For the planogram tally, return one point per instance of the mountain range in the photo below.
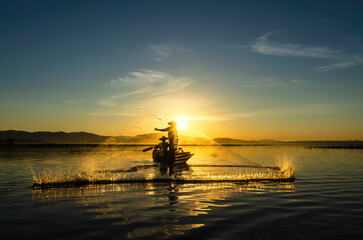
(45, 137)
(24, 137)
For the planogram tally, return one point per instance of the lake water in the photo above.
(324, 202)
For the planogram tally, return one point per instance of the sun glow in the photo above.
(181, 122)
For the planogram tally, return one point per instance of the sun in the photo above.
(181, 122)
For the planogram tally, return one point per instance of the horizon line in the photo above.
(260, 140)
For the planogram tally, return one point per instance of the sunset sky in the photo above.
(285, 70)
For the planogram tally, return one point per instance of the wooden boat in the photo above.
(162, 155)
(180, 157)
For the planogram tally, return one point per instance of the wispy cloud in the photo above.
(162, 52)
(146, 84)
(261, 82)
(145, 92)
(335, 66)
(264, 46)
(341, 59)
(253, 82)
(346, 61)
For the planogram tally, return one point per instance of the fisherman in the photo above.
(172, 135)
(163, 145)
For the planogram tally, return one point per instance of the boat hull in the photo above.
(169, 158)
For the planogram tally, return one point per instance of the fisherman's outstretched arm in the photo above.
(161, 130)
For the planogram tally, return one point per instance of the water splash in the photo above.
(285, 163)
(152, 174)
(109, 164)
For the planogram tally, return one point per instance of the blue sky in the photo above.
(243, 69)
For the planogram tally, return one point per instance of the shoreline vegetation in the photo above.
(13, 138)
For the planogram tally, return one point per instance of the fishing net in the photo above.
(120, 159)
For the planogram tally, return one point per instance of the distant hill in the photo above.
(44, 137)
(150, 138)
(73, 137)
(50, 137)
(23, 137)
(309, 144)
(231, 141)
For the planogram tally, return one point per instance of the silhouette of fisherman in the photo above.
(172, 136)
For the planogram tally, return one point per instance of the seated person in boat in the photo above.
(161, 148)
(172, 136)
